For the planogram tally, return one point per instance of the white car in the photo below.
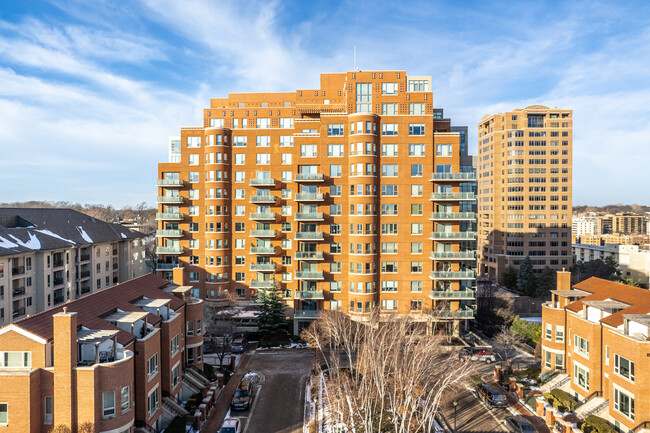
(231, 425)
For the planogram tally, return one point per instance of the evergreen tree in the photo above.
(630, 282)
(524, 274)
(509, 278)
(272, 322)
(543, 283)
(606, 269)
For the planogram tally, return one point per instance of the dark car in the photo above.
(519, 424)
(490, 396)
(466, 352)
(239, 345)
(242, 398)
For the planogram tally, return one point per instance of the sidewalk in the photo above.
(217, 415)
(517, 406)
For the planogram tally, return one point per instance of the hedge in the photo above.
(597, 424)
(561, 400)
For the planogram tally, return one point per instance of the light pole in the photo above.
(455, 406)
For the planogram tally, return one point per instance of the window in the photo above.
(176, 375)
(416, 170)
(389, 286)
(15, 359)
(190, 328)
(49, 412)
(286, 158)
(624, 367)
(389, 88)
(443, 149)
(193, 141)
(389, 129)
(559, 361)
(416, 149)
(416, 247)
(335, 150)
(194, 176)
(152, 366)
(263, 141)
(416, 305)
(335, 129)
(108, 399)
(286, 122)
(364, 97)
(418, 85)
(308, 150)
(389, 305)
(239, 142)
(623, 402)
(4, 416)
(581, 376)
(416, 190)
(125, 398)
(174, 344)
(416, 228)
(559, 334)
(263, 158)
(548, 359)
(194, 159)
(263, 122)
(416, 108)
(389, 170)
(581, 346)
(549, 332)
(152, 402)
(389, 109)
(286, 141)
(416, 267)
(240, 159)
(416, 128)
(416, 286)
(389, 149)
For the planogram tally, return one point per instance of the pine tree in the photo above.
(509, 278)
(272, 322)
(524, 274)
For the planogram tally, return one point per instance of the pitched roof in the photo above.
(600, 290)
(90, 309)
(25, 230)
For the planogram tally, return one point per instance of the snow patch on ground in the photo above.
(33, 243)
(5, 243)
(84, 235)
(54, 235)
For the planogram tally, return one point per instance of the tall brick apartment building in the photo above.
(117, 359)
(597, 333)
(352, 196)
(525, 189)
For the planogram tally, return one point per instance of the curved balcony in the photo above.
(306, 314)
(309, 177)
(169, 233)
(452, 275)
(169, 216)
(455, 216)
(263, 216)
(263, 267)
(309, 275)
(452, 235)
(309, 294)
(309, 196)
(169, 250)
(452, 294)
(169, 182)
(452, 196)
(460, 177)
(268, 199)
(262, 182)
(309, 216)
(169, 199)
(310, 236)
(309, 255)
(262, 284)
(466, 313)
(262, 250)
(455, 255)
(263, 233)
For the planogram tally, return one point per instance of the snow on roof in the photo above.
(84, 235)
(5, 243)
(33, 243)
(54, 235)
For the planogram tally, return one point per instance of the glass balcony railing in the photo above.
(309, 255)
(466, 313)
(309, 275)
(166, 266)
(262, 284)
(452, 235)
(169, 233)
(309, 216)
(263, 216)
(263, 267)
(311, 236)
(169, 216)
(166, 199)
(169, 182)
(309, 196)
(169, 250)
(309, 177)
(453, 176)
(452, 216)
(262, 199)
(456, 255)
(452, 294)
(452, 196)
(452, 275)
(309, 294)
(306, 314)
(263, 233)
(262, 250)
(262, 182)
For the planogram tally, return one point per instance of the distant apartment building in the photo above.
(628, 224)
(584, 225)
(524, 189)
(633, 262)
(352, 197)
(643, 241)
(597, 334)
(119, 360)
(51, 256)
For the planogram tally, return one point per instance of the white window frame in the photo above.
(151, 413)
(125, 403)
(152, 366)
(108, 411)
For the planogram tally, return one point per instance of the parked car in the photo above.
(519, 424)
(242, 398)
(490, 396)
(484, 355)
(231, 425)
(239, 345)
(467, 352)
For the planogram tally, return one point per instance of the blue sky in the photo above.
(90, 91)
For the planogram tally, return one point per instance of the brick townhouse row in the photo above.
(597, 333)
(111, 359)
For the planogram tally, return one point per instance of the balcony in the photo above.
(59, 300)
(309, 294)
(452, 294)
(306, 314)
(83, 258)
(263, 216)
(456, 255)
(18, 270)
(309, 275)
(18, 312)
(262, 199)
(169, 216)
(452, 216)
(169, 199)
(57, 263)
(169, 233)
(452, 275)
(309, 255)
(18, 291)
(263, 267)
(434, 236)
(262, 250)
(169, 182)
(169, 250)
(309, 216)
(85, 289)
(84, 274)
(262, 284)
(166, 266)
(309, 236)
(114, 265)
(466, 313)
(452, 196)
(262, 182)
(57, 281)
(309, 196)
(309, 177)
(263, 233)
(462, 177)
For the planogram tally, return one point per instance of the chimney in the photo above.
(178, 276)
(65, 362)
(563, 280)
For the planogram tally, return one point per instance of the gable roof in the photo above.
(90, 309)
(637, 299)
(24, 230)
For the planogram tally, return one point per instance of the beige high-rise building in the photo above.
(524, 189)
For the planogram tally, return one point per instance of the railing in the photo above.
(57, 263)
(308, 275)
(586, 400)
(115, 265)
(17, 291)
(309, 236)
(263, 233)
(169, 199)
(166, 266)
(643, 425)
(452, 216)
(309, 196)
(169, 216)
(448, 314)
(452, 275)
(84, 274)
(306, 314)
(115, 252)
(262, 250)
(169, 250)
(57, 281)
(18, 312)
(263, 284)
(263, 216)
(309, 177)
(309, 216)
(85, 289)
(169, 233)
(262, 267)
(452, 235)
(18, 270)
(309, 255)
(84, 257)
(262, 199)
(453, 176)
(309, 294)
(452, 294)
(262, 182)
(453, 196)
(169, 182)
(58, 299)
(459, 255)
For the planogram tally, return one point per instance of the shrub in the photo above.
(563, 401)
(209, 371)
(597, 424)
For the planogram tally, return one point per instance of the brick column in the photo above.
(65, 362)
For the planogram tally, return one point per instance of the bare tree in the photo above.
(220, 326)
(381, 376)
(507, 340)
